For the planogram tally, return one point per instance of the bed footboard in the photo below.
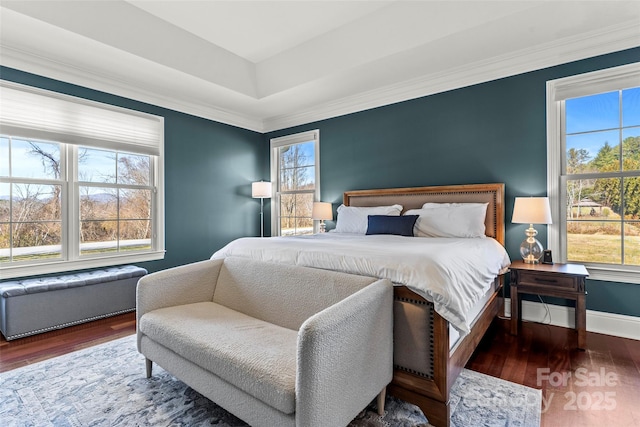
(425, 367)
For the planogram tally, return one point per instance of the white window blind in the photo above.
(36, 113)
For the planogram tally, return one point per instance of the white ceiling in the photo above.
(266, 65)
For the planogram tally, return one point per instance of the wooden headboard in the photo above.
(415, 197)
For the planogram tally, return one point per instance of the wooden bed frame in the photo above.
(425, 365)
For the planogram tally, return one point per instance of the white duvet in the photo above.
(452, 273)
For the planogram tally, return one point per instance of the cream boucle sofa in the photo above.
(275, 345)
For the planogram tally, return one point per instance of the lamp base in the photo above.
(323, 227)
(531, 249)
(530, 259)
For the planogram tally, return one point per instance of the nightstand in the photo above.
(553, 280)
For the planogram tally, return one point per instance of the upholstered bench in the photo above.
(275, 345)
(32, 306)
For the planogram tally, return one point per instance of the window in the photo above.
(80, 184)
(295, 171)
(115, 201)
(31, 193)
(594, 171)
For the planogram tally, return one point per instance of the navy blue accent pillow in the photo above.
(388, 224)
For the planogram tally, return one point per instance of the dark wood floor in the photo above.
(24, 351)
(596, 387)
(603, 388)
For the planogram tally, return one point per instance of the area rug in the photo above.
(106, 385)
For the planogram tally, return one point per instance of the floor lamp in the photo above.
(261, 190)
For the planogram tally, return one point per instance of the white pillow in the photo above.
(430, 205)
(450, 220)
(354, 219)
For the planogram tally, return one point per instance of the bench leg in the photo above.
(380, 401)
(149, 366)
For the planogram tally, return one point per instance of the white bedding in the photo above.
(453, 273)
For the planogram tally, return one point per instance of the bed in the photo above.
(432, 343)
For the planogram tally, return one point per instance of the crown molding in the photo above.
(47, 67)
(603, 41)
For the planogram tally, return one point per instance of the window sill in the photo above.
(609, 274)
(16, 271)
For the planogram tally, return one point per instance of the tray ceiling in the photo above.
(267, 65)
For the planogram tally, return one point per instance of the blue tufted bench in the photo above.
(32, 306)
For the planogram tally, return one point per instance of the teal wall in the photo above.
(490, 132)
(209, 168)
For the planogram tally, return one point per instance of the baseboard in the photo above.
(600, 322)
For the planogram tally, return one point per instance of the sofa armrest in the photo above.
(185, 284)
(345, 356)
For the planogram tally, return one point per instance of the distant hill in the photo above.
(99, 198)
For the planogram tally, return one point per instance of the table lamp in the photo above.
(322, 211)
(531, 210)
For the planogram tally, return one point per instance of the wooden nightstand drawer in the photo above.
(541, 279)
(552, 280)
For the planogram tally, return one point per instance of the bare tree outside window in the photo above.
(115, 200)
(31, 204)
(296, 187)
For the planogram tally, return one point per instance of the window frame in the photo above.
(283, 141)
(71, 259)
(607, 80)
(76, 183)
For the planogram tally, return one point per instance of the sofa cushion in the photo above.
(285, 295)
(255, 356)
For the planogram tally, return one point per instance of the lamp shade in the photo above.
(531, 210)
(261, 189)
(321, 210)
